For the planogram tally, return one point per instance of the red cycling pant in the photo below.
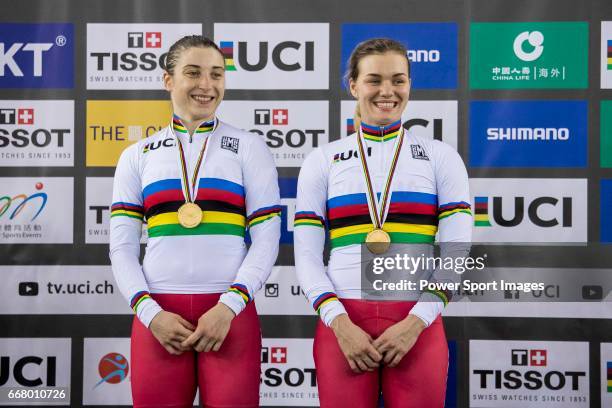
(418, 381)
(226, 378)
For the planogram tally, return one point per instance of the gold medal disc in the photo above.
(189, 215)
(378, 241)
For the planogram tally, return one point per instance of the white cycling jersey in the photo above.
(237, 191)
(429, 195)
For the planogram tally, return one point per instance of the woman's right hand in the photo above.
(170, 330)
(356, 345)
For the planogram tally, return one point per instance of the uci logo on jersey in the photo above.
(36, 55)
(351, 154)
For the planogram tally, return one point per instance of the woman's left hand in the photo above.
(212, 328)
(398, 339)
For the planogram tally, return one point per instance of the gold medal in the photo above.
(378, 241)
(190, 215)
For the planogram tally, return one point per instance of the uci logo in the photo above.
(338, 157)
(25, 375)
(503, 218)
(285, 56)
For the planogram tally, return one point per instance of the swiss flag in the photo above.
(278, 355)
(153, 40)
(25, 116)
(537, 357)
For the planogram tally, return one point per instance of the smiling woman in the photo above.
(403, 191)
(204, 184)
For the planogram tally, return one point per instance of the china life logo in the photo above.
(529, 55)
(113, 369)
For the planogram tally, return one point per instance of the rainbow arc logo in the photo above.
(481, 214)
(227, 48)
(6, 203)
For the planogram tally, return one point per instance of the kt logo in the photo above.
(274, 117)
(144, 40)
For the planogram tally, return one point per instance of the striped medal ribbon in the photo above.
(378, 241)
(190, 214)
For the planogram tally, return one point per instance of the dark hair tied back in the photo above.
(185, 43)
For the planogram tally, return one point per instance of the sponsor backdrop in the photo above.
(522, 91)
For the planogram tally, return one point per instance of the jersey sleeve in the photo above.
(127, 213)
(454, 226)
(263, 221)
(309, 238)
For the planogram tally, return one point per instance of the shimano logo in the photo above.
(528, 134)
(423, 55)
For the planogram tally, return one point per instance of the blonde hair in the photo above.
(374, 46)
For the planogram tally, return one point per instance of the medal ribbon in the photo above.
(188, 188)
(379, 217)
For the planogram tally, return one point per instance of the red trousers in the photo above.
(418, 381)
(226, 378)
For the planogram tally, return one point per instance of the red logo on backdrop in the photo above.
(113, 368)
(278, 355)
(280, 116)
(537, 357)
(153, 40)
(25, 116)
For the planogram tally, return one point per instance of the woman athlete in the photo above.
(380, 186)
(199, 184)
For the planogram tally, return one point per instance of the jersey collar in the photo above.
(381, 133)
(203, 127)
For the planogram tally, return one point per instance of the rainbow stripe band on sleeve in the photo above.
(449, 209)
(322, 300)
(444, 296)
(138, 298)
(263, 214)
(308, 218)
(241, 290)
(121, 209)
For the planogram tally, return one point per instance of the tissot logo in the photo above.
(275, 56)
(30, 54)
(529, 210)
(509, 373)
(17, 116)
(130, 56)
(145, 40)
(287, 366)
(528, 357)
(37, 133)
(291, 129)
(278, 116)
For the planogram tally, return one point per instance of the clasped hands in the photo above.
(366, 354)
(177, 335)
